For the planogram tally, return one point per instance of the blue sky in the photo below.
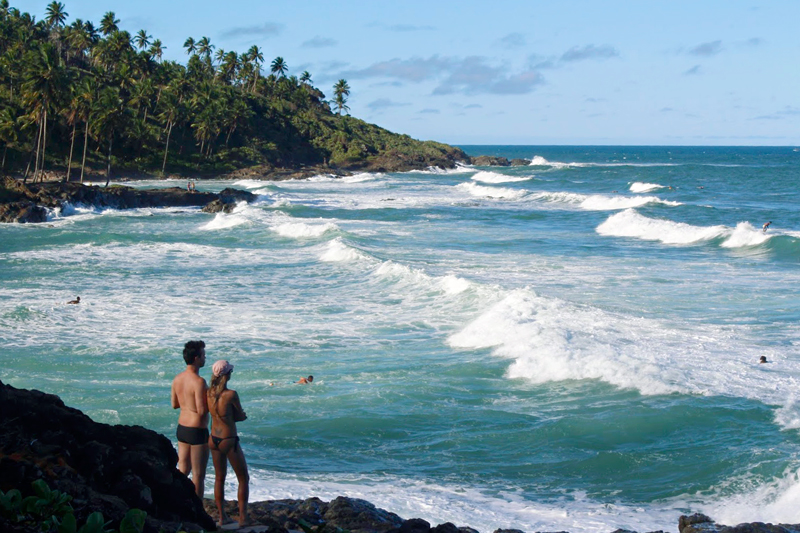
(518, 72)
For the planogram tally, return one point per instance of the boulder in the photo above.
(22, 212)
(104, 468)
(520, 162)
(489, 161)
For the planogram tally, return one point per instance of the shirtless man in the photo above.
(305, 381)
(189, 395)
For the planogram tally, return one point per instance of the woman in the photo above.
(226, 410)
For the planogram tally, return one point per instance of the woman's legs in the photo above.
(220, 471)
(236, 457)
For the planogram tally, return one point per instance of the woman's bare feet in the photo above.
(224, 520)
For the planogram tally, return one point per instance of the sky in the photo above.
(570, 72)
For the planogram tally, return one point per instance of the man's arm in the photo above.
(201, 398)
(176, 404)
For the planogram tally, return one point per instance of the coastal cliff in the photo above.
(112, 469)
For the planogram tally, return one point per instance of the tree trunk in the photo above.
(108, 168)
(166, 150)
(71, 147)
(38, 147)
(85, 144)
(44, 146)
(5, 150)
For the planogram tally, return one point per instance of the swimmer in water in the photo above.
(305, 381)
(763, 359)
(77, 300)
(766, 225)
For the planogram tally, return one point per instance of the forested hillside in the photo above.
(94, 98)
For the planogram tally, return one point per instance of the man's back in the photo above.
(189, 391)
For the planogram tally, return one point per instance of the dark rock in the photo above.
(465, 529)
(359, 516)
(218, 206)
(104, 468)
(508, 531)
(489, 161)
(22, 212)
(414, 525)
(447, 527)
(117, 197)
(697, 518)
(700, 523)
(520, 162)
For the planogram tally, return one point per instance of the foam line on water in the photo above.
(744, 235)
(644, 187)
(438, 503)
(630, 223)
(598, 202)
(487, 176)
(481, 191)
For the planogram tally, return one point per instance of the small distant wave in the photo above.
(539, 161)
(481, 191)
(630, 223)
(339, 252)
(645, 187)
(301, 230)
(494, 177)
(608, 203)
(745, 235)
(460, 168)
(449, 284)
(597, 202)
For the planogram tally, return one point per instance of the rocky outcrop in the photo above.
(520, 162)
(104, 468)
(22, 212)
(700, 523)
(489, 161)
(34, 197)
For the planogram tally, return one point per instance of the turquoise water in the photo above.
(567, 345)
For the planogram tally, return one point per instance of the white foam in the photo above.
(539, 161)
(338, 252)
(745, 235)
(302, 230)
(463, 506)
(571, 198)
(481, 191)
(225, 221)
(486, 176)
(644, 187)
(608, 203)
(361, 177)
(630, 223)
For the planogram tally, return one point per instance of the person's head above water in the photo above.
(77, 300)
(221, 368)
(763, 359)
(193, 350)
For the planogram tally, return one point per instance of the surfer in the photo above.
(77, 300)
(763, 359)
(305, 381)
(766, 225)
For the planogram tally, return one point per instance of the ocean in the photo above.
(571, 344)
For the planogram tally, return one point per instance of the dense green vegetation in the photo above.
(75, 96)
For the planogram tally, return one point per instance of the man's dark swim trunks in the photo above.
(193, 436)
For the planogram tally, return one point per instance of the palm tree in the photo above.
(142, 40)
(170, 104)
(45, 80)
(85, 95)
(256, 56)
(305, 78)
(56, 16)
(190, 46)
(9, 132)
(341, 90)
(157, 49)
(108, 111)
(204, 48)
(108, 24)
(279, 66)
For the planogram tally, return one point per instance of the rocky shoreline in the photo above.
(112, 469)
(28, 203)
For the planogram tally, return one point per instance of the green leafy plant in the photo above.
(49, 510)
